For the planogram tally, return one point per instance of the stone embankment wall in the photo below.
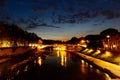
(13, 51)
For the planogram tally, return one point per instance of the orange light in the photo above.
(63, 58)
(114, 46)
(108, 36)
(106, 45)
(98, 51)
(82, 41)
(39, 61)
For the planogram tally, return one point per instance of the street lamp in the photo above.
(108, 36)
(108, 40)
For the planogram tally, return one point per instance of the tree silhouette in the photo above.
(110, 31)
(15, 34)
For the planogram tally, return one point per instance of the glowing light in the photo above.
(5, 43)
(114, 46)
(106, 45)
(87, 41)
(97, 52)
(106, 54)
(82, 41)
(87, 64)
(18, 72)
(108, 36)
(91, 50)
(63, 58)
(108, 77)
(58, 53)
(85, 50)
(30, 44)
(57, 48)
(82, 61)
(117, 60)
(40, 47)
(83, 66)
(62, 61)
(39, 61)
(26, 68)
(60, 47)
(63, 47)
(84, 45)
(90, 66)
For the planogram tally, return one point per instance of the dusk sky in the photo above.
(62, 19)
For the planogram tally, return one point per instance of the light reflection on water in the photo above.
(39, 61)
(72, 67)
(59, 65)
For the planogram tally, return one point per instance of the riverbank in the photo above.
(7, 53)
(112, 69)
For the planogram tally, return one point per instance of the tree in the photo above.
(109, 31)
(73, 40)
(95, 41)
(15, 34)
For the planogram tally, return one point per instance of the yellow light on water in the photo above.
(39, 61)
(82, 61)
(58, 53)
(83, 66)
(63, 58)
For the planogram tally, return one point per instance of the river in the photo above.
(56, 65)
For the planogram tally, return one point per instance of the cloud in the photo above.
(34, 25)
(88, 10)
(80, 17)
(67, 11)
(74, 11)
(47, 25)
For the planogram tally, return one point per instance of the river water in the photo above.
(58, 65)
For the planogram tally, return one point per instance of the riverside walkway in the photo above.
(111, 69)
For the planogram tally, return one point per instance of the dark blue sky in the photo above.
(62, 19)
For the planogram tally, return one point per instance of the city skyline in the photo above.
(61, 20)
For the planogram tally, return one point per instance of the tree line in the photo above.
(15, 34)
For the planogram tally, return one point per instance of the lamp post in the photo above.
(108, 41)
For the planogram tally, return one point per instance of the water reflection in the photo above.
(39, 61)
(26, 68)
(82, 67)
(59, 65)
(63, 58)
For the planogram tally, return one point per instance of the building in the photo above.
(112, 42)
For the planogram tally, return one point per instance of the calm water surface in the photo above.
(59, 65)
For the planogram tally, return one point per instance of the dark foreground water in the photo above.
(57, 65)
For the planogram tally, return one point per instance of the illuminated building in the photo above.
(112, 42)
